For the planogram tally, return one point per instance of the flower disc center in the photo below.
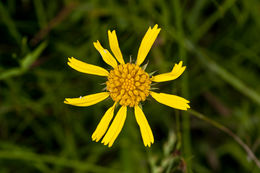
(128, 84)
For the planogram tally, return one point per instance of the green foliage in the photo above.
(25, 63)
(217, 40)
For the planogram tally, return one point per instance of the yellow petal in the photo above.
(87, 68)
(114, 46)
(177, 70)
(115, 127)
(107, 57)
(145, 129)
(87, 100)
(103, 124)
(171, 100)
(147, 43)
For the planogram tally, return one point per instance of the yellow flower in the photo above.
(127, 84)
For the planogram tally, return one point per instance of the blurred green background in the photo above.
(218, 40)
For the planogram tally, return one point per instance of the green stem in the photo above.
(184, 85)
(178, 129)
(229, 132)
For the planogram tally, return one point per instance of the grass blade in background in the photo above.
(26, 62)
(10, 24)
(31, 57)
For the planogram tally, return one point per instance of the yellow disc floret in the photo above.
(128, 84)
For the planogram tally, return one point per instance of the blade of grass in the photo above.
(195, 12)
(9, 73)
(10, 24)
(40, 158)
(214, 67)
(184, 85)
(61, 16)
(212, 19)
(25, 63)
(224, 74)
(31, 57)
(41, 15)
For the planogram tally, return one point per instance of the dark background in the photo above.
(218, 40)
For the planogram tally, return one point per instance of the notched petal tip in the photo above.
(97, 42)
(66, 101)
(176, 72)
(106, 143)
(93, 138)
(155, 27)
(110, 32)
(70, 59)
(97, 45)
(110, 145)
(149, 144)
(186, 107)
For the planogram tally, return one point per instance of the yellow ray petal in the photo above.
(171, 100)
(87, 68)
(145, 129)
(147, 43)
(115, 127)
(87, 100)
(114, 46)
(103, 124)
(177, 70)
(107, 57)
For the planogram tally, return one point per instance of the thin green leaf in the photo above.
(31, 57)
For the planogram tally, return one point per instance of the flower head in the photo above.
(128, 85)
